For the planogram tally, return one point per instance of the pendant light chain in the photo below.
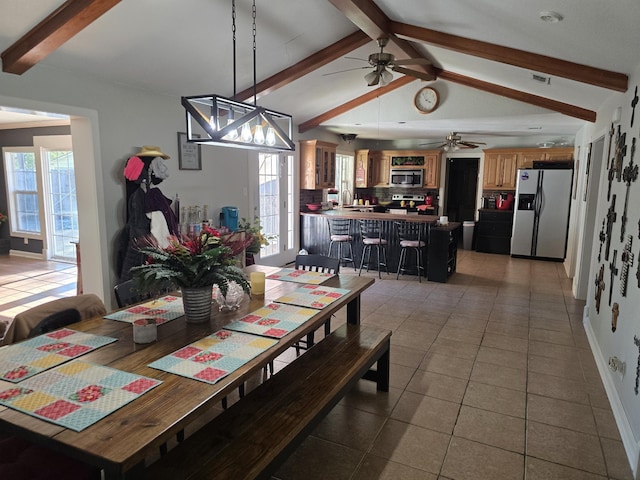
(233, 29)
(253, 14)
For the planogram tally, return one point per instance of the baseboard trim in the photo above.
(34, 255)
(632, 448)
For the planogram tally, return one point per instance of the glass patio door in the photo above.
(276, 207)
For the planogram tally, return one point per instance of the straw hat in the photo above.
(152, 151)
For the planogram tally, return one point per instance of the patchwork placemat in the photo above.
(77, 394)
(272, 320)
(163, 310)
(314, 296)
(25, 359)
(214, 357)
(300, 276)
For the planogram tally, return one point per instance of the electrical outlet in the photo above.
(26, 241)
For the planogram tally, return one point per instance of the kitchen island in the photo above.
(440, 257)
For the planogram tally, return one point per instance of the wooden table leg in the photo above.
(353, 311)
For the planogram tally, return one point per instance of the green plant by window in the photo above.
(254, 230)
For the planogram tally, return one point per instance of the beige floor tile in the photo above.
(439, 386)
(399, 375)
(616, 459)
(606, 423)
(574, 416)
(495, 399)
(491, 428)
(504, 342)
(427, 412)
(350, 427)
(566, 447)
(556, 367)
(557, 387)
(552, 350)
(378, 468)
(499, 356)
(454, 348)
(317, 459)
(447, 365)
(467, 460)
(471, 322)
(419, 327)
(382, 320)
(365, 397)
(499, 376)
(541, 470)
(410, 445)
(510, 330)
(418, 341)
(551, 336)
(463, 335)
(562, 326)
(408, 357)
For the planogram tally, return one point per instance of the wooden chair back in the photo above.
(318, 263)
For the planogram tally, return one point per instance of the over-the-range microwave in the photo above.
(406, 178)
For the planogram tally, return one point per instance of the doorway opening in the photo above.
(461, 188)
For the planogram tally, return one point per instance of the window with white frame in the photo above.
(23, 191)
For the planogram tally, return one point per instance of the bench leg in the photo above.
(382, 380)
(353, 311)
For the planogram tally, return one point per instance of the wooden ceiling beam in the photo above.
(58, 27)
(560, 107)
(369, 18)
(356, 102)
(511, 56)
(303, 67)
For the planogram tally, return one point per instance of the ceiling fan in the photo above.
(382, 61)
(453, 141)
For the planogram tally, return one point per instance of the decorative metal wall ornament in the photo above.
(602, 236)
(615, 311)
(627, 262)
(634, 102)
(621, 152)
(613, 272)
(611, 173)
(636, 341)
(600, 286)
(229, 123)
(611, 219)
(629, 175)
(611, 134)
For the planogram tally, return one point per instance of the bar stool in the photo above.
(371, 235)
(411, 236)
(340, 234)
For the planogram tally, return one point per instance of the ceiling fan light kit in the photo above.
(217, 120)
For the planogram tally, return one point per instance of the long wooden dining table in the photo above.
(119, 443)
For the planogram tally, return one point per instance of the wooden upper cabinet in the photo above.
(381, 167)
(432, 170)
(526, 157)
(500, 171)
(317, 164)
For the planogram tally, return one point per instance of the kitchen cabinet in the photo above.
(317, 164)
(442, 254)
(432, 170)
(499, 170)
(381, 167)
(527, 157)
(493, 231)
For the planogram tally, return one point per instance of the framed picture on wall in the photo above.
(189, 154)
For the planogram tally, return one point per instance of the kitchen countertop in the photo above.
(494, 210)
(389, 217)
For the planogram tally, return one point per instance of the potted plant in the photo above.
(194, 263)
(256, 239)
(4, 242)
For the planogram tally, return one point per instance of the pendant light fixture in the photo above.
(221, 121)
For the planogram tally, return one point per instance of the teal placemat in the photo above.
(273, 320)
(214, 357)
(300, 276)
(314, 296)
(77, 394)
(23, 360)
(163, 310)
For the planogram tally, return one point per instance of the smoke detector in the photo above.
(550, 17)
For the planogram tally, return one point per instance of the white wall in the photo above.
(121, 120)
(606, 343)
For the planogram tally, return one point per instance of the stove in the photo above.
(403, 201)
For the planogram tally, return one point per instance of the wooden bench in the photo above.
(255, 435)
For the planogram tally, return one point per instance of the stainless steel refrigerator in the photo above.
(541, 216)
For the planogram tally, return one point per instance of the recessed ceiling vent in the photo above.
(541, 78)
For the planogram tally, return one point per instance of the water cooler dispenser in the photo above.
(229, 218)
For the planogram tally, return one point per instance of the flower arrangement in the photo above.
(3, 218)
(192, 261)
(257, 238)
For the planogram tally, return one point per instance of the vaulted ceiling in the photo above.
(482, 57)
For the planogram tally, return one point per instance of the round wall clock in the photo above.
(426, 100)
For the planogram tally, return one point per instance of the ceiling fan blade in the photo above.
(433, 143)
(470, 145)
(412, 61)
(342, 71)
(356, 58)
(413, 73)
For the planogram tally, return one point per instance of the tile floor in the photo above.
(492, 378)
(26, 283)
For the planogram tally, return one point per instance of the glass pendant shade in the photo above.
(258, 135)
(245, 135)
(271, 137)
(370, 77)
(385, 77)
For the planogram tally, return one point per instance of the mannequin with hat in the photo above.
(148, 210)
